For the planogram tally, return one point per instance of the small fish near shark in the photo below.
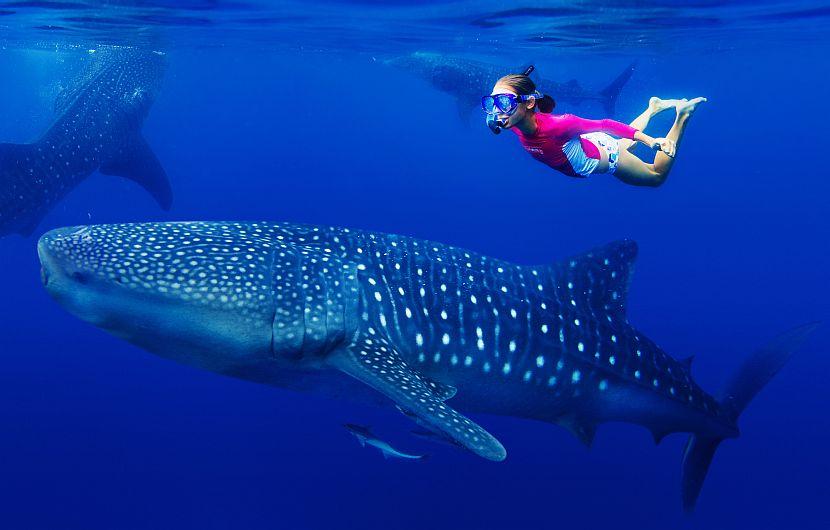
(467, 80)
(98, 128)
(366, 437)
(430, 328)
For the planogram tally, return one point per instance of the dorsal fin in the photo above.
(598, 279)
(687, 362)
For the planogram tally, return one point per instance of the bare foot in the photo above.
(657, 105)
(686, 108)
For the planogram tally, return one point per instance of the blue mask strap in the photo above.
(536, 95)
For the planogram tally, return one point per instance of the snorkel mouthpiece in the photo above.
(495, 124)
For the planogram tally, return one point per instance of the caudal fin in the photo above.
(756, 371)
(612, 91)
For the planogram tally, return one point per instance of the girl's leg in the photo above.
(662, 161)
(655, 106)
(634, 171)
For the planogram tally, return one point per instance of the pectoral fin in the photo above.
(376, 363)
(137, 162)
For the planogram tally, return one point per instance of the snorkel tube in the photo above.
(496, 124)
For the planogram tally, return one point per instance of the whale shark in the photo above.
(437, 331)
(366, 437)
(98, 127)
(467, 80)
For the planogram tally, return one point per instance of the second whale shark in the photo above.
(98, 128)
(467, 80)
(433, 329)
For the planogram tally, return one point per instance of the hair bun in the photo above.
(545, 104)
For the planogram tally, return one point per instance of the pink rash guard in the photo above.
(556, 130)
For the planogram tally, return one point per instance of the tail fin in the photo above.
(612, 91)
(756, 371)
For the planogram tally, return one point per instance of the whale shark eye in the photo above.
(80, 277)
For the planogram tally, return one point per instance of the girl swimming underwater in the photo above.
(578, 147)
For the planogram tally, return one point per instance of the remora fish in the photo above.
(98, 128)
(468, 80)
(433, 328)
(366, 437)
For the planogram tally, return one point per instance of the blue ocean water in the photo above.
(288, 112)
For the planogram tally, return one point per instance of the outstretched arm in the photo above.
(661, 144)
(576, 126)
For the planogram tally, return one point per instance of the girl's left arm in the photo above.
(643, 138)
(661, 144)
(579, 125)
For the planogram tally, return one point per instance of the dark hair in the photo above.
(524, 86)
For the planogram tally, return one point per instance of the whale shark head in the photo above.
(201, 293)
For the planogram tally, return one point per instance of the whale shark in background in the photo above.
(430, 328)
(468, 80)
(98, 127)
(366, 437)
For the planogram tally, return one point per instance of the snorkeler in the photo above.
(578, 147)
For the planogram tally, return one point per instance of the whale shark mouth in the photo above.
(50, 266)
(43, 254)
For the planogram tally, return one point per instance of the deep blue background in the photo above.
(95, 433)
